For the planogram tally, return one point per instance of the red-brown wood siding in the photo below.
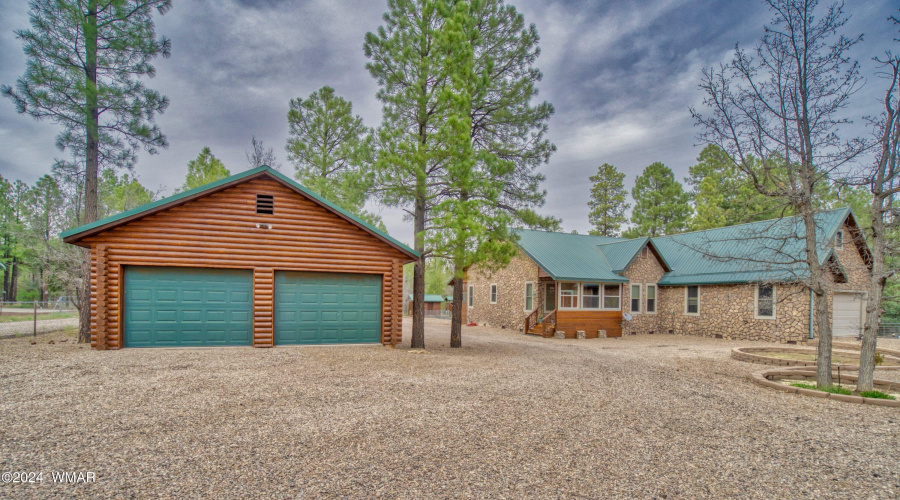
(589, 321)
(220, 231)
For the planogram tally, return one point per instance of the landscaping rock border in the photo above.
(763, 378)
(744, 354)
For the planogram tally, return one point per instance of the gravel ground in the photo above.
(505, 416)
(13, 328)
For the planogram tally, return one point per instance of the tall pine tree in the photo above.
(85, 62)
(661, 206)
(409, 168)
(331, 150)
(202, 170)
(607, 204)
(507, 125)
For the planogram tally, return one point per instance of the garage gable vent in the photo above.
(265, 204)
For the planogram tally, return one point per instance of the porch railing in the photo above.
(549, 322)
(531, 320)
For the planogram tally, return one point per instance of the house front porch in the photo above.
(570, 307)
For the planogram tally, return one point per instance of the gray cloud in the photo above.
(621, 76)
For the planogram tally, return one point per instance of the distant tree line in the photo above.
(716, 193)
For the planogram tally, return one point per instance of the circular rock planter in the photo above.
(805, 356)
(774, 378)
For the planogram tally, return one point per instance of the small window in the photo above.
(529, 296)
(471, 295)
(651, 299)
(590, 296)
(839, 240)
(636, 299)
(692, 300)
(265, 204)
(765, 302)
(611, 296)
(568, 295)
(493, 293)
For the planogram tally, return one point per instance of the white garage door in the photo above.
(847, 314)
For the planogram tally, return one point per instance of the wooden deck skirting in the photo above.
(589, 321)
(222, 230)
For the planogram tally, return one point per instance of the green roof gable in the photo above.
(769, 250)
(75, 234)
(566, 256)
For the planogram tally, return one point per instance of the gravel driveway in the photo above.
(505, 416)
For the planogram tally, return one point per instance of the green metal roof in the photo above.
(769, 250)
(566, 256)
(432, 298)
(621, 253)
(147, 209)
(759, 251)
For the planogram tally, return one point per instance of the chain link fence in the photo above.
(889, 330)
(32, 318)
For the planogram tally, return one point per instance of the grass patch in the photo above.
(30, 317)
(835, 389)
(876, 395)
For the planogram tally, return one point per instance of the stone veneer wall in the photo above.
(509, 311)
(645, 269)
(728, 311)
(854, 267)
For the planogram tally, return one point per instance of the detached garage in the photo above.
(253, 259)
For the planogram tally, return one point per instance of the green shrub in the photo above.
(835, 389)
(876, 395)
(879, 358)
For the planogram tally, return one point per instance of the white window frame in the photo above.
(631, 297)
(655, 298)
(559, 295)
(599, 296)
(470, 299)
(494, 293)
(603, 297)
(686, 313)
(839, 240)
(756, 303)
(526, 296)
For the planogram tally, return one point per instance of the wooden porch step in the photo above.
(539, 330)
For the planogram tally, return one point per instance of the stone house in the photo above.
(738, 282)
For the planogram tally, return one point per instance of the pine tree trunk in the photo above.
(418, 314)
(456, 317)
(92, 119)
(13, 281)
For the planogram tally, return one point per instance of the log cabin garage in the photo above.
(252, 259)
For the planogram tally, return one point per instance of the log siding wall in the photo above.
(220, 231)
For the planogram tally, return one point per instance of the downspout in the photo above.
(811, 336)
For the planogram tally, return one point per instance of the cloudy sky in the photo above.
(621, 76)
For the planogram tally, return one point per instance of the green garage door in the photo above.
(178, 307)
(327, 308)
